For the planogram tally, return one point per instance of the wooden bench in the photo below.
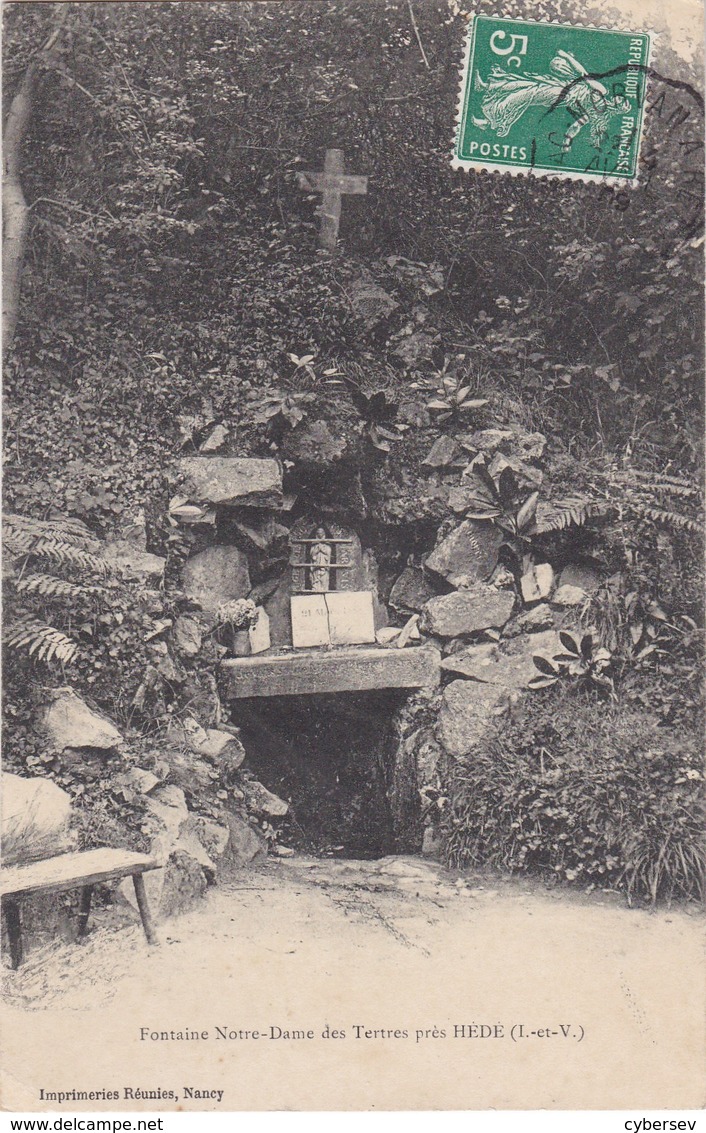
(71, 871)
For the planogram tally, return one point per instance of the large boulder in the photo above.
(511, 666)
(35, 820)
(468, 611)
(186, 867)
(245, 844)
(261, 801)
(172, 889)
(231, 481)
(467, 708)
(67, 721)
(134, 564)
(411, 590)
(468, 555)
(216, 575)
(187, 635)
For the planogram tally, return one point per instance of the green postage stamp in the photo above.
(552, 99)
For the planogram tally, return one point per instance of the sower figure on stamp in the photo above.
(508, 95)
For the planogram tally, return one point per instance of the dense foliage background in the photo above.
(172, 283)
(171, 256)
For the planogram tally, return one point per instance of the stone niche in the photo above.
(330, 603)
(329, 594)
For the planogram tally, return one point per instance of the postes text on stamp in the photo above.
(552, 99)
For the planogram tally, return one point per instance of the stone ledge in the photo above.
(335, 670)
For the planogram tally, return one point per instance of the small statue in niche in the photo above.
(320, 559)
(325, 557)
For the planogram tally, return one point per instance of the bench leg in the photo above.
(14, 931)
(84, 911)
(143, 906)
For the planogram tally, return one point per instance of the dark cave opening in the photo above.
(329, 756)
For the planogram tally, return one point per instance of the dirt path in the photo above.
(451, 991)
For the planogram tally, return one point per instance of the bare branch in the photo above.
(416, 32)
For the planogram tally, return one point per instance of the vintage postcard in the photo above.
(353, 556)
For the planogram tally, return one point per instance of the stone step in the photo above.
(335, 670)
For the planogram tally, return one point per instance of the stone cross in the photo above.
(333, 183)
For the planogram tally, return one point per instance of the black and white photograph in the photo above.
(353, 557)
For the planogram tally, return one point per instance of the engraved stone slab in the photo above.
(310, 625)
(344, 618)
(468, 611)
(336, 670)
(351, 619)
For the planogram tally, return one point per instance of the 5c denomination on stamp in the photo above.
(552, 99)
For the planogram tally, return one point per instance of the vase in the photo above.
(241, 643)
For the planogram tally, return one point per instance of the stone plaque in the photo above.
(332, 619)
(350, 616)
(310, 624)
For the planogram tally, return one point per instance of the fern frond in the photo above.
(570, 511)
(56, 551)
(41, 641)
(49, 586)
(66, 529)
(662, 482)
(671, 519)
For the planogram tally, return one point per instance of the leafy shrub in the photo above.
(582, 659)
(587, 792)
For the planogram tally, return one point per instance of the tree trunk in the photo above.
(14, 205)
